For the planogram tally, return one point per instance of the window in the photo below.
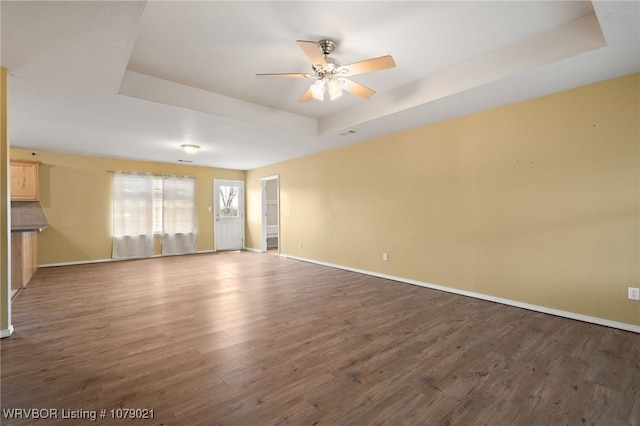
(146, 205)
(132, 215)
(157, 206)
(178, 212)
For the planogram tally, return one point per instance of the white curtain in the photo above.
(178, 214)
(132, 215)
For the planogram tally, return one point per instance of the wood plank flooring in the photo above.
(244, 338)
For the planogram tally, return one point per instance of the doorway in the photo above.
(228, 225)
(271, 213)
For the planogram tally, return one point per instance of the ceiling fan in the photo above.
(330, 76)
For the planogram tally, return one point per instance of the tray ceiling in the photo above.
(137, 79)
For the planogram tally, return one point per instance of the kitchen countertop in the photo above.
(27, 216)
(28, 228)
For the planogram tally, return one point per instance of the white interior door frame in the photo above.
(265, 208)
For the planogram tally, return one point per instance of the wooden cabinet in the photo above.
(24, 223)
(24, 259)
(24, 180)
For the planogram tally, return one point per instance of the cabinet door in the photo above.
(29, 256)
(24, 259)
(16, 262)
(24, 181)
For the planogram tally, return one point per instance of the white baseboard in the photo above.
(77, 262)
(6, 332)
(253, 249)
(557, 312)
(84, 262)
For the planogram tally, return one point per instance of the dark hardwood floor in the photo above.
(244, 338)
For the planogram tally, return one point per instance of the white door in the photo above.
(228, 225)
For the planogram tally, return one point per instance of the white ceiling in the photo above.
(137, 79)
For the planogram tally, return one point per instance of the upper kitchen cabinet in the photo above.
(24, 180)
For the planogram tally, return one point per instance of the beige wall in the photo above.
(536, 202)
(75, 192)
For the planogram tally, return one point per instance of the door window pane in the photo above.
(229, 201)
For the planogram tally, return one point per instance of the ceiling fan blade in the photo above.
(369, 65)
(311, 49)
(306, 97)
(286, 75)
(357, 88)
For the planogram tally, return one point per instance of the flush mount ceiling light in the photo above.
(331, 76)
(190, 148)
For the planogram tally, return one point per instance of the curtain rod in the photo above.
(151, 174)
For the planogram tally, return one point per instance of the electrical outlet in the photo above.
(300, 244)
(385, 256)
(634, 293)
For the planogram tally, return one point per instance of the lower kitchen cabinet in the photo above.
(24, 259)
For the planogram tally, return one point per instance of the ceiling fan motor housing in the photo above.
(327, 46)
(330, 69)
(332, 64)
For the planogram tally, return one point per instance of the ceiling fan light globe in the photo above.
(335, 89)
(317, 90)
(319, 96)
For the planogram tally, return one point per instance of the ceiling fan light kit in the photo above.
(326, 84)
(330, 76)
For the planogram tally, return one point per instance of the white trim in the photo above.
(263, 187)
(253, 249)
(7, 332)
(84, 262)
(551, 311)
